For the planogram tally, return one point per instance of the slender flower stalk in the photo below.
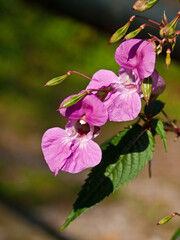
(83, 75)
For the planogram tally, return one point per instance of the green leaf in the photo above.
(176, 236)
(142, 5)
(73, 100)
(158, 127)
(157, 106)
(56, 80)
(123, 158)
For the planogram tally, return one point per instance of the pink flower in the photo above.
(138, 56)
(73, 150)
(123, 102)
(89, 108)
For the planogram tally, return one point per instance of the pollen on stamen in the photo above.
(82, 122)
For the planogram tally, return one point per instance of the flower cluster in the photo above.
(107, 97)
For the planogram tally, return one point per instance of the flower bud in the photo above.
(146, 88)
(121, 31)
(168, 57)
(133, 33)
(74, 99)
(166, 219)
(159, 49)
(169, 29)
(56, 80)
(173, 43)
(153, 44)
(142, 5)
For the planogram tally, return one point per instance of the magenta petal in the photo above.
(147, 61)
(95, 111)
(90, 108)
(126, 54)
(158, 83)
(123, 107)
(76, 109)
(137, 55)
(56, 148)
(102, 78)
(87, 154)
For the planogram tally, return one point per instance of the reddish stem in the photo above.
(149, 24)
(148, 19)
(72, 71)
(168, 118)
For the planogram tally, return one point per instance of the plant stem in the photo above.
(147, 19)
(168, 118)
(72, 71)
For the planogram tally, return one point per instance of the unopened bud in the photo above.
(159, 49)
(169, 29)
(153, 44)
(168, 57)
(146, 88)
(173, 43)
(73, 100)
(56, 80)
(166, 219)
(142, 5)
(134, 33)
(121, 31)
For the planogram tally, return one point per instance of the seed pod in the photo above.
(121, 32)
(134, 33)
(142, 5)
(74, 99)
(56, 80)
(169, 29)
(146, 88)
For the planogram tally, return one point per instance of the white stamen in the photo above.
(82, 122)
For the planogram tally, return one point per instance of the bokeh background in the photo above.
(40, 40)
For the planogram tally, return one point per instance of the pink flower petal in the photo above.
(95, 111)
(147, 61)
(137, 55)
(102, 78)
(56, 148)
(90, 108)
(76, 108)
(87, 154)
(123, 107)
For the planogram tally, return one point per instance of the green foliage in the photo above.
(176, 235)
(155, 108)
(158, 127)
(123, 158)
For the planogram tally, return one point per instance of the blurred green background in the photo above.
(35, 46)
